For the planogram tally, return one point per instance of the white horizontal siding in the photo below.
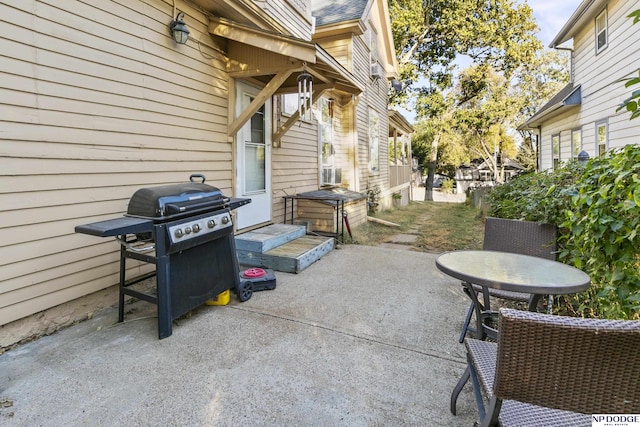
(602, 91)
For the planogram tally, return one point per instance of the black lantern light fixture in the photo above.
(179, 30)
(305, 90)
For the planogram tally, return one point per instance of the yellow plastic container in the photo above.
(221, 299)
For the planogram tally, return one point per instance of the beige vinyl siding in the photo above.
(295, 15)
(374, 97)
(96, 101)
(340, 48)
(294, 165)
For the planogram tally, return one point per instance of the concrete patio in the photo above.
(367, 336)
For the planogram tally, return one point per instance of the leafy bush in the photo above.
(602, 232)
(536, 196)
(447, 185)
(597, 210)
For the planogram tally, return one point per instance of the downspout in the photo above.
(354, 135)
(539, 148)
(570, 49)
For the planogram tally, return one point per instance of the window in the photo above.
(602, 131)
(373, 46)
(576, 142)
(329, 174)
(289, 104)
(602, 36)
(555, 149)
(374, 142)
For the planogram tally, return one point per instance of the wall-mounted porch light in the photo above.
(179, 30)
(305, 90)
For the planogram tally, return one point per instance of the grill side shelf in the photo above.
(116, 227)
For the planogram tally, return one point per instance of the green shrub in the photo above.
(536, 196)
(447, 186)
(597, 210)
(602, 232)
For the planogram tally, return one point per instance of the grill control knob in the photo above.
(178, 233)
(187, 230)
(211, 223)
(195, 228)
(225, 219)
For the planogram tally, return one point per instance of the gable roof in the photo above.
(329, 12)
(568, 97)
(582, 16)
(338, 18)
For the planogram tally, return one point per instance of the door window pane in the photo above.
(254, 171)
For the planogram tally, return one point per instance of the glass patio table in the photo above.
(509, 272)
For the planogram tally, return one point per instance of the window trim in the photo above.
(283, 102)
(605, 30)
(576, 150)
(555, 164)
(326, 103)
(600, 123)
(374, 142)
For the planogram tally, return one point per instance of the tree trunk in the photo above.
(428, 183)
(431, 167)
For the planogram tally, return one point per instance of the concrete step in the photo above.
(266, 238)
(290, 257)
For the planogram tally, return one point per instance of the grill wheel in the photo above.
(244, 290)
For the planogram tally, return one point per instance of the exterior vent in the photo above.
(376, 71)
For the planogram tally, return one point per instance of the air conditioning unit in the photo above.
(376, 71)
(331, 176)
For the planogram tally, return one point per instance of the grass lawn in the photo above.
(439, 226)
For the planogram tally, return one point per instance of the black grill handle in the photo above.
(197, 175)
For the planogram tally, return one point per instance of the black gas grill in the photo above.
(189, 227)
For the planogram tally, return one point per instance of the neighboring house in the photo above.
(478, 173)
(582, 116)
(99, 101)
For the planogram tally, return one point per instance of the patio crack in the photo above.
(351, 334)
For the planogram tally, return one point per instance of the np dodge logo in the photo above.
(615, 420)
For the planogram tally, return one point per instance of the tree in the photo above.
(485, 106)
(534, 84)
(430, 34)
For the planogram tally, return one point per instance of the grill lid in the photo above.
(169, 200)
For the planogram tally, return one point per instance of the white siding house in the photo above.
(605, 48)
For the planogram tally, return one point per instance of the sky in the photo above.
(550, 15)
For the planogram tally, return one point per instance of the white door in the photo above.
(253, 160)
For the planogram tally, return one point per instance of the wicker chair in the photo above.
(553, 370)
(522, 237)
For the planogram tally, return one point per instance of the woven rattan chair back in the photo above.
(521, 237)
(591, 366)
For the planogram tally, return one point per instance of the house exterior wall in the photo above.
(295, 15)
(97, 101)
(599, 75)
(352, 50)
